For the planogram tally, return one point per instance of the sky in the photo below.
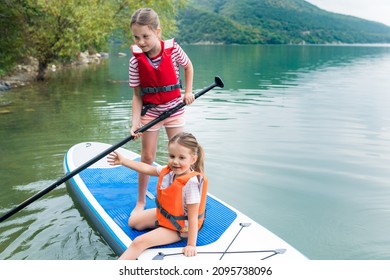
(376, 10)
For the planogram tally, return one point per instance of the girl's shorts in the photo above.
(170, 122)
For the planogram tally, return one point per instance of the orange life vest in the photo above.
(159, 85)
(170, 204)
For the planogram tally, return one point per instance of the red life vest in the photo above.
(170, 204)
(158, 85)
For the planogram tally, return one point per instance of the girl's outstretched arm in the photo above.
(116, 158)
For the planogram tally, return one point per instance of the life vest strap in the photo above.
(173, 219)
(146, 90)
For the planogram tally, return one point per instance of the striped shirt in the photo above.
(179, 57)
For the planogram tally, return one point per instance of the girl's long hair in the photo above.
(145, 16)
(189, 141)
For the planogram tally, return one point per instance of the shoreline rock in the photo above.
(4, 86)
(22, 74)
(25, 74)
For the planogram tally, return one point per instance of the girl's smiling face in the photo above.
(147, 39)
(180, 159)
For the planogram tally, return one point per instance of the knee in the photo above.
(139, 243)
(134, 223)
(148, 158)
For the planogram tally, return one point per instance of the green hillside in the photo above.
(272, 22)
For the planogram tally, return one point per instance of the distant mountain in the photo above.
(273, 22)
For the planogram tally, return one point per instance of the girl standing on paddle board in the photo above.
(154, 75)
(181, 197)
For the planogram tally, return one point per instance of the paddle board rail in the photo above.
(107, 194)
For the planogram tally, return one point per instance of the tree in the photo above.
(59, 30)
(166, 9)
(11, 42)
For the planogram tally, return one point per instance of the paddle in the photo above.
(217, 83)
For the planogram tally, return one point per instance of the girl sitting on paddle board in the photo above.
(154, 74)
(181, 197)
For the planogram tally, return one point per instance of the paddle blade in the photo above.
(218, 82)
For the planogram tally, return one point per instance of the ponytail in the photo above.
(199, 164)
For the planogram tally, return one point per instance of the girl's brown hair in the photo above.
(145, 16)
(189, 141)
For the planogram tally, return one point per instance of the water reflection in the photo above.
(297, 139)
(267, 66)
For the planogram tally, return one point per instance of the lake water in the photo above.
(299, 140)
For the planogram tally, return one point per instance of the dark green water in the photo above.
(299, 140)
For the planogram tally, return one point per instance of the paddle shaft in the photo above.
(217, 82)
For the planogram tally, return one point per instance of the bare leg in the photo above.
(148, 154)
(158, 236)
(172, 131)
(145, 219)
(141, 219)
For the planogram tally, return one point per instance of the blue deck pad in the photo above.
(116, 189)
